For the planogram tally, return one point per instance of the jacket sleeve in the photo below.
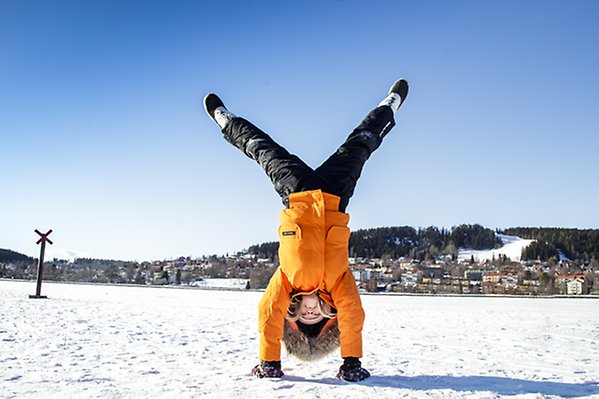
(272, 310)
(350, 315)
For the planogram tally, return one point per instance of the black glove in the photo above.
(268, 370)
(352, 370)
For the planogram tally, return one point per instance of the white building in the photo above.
(575, 287)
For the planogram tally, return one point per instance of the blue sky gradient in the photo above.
(104, 138)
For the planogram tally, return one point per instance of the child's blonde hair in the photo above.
(294, 311)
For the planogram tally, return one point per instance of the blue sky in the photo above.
(104, 138)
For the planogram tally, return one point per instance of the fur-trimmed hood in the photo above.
(311, 348)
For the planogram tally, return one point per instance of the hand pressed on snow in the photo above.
(352, 370)
(268, 370)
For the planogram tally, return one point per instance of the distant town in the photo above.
(553, 261)
(439, 276)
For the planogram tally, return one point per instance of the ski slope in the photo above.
(512, 248)
(89, 341)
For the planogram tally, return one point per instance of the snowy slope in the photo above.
(512, 248)
(137, 342)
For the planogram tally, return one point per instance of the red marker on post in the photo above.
(40, 267)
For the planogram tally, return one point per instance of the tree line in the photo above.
(8, 256)
(406, 241)
(578, 245)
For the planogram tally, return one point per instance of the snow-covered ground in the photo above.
(512, 248)
(224, 283)
(89, 341)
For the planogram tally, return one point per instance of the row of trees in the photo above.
(422, 243)
(406, 241)
(6, 256)
(579, 245)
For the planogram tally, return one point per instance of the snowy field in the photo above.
(90, 341)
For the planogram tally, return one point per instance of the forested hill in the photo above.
(575, 244)
(407, 241)
(6, 255)
(578, 245)
(420, 243)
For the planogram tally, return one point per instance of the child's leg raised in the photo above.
(341, 171)
(285, 170)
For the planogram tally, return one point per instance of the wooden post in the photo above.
(40, 265)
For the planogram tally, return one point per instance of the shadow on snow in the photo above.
(499, 385)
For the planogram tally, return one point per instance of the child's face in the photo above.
(310, 309)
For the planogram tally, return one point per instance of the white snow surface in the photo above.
(224, 283)
(95, 341)
(512, 248)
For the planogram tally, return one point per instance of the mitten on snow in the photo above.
(268, 370)
(352, 370)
